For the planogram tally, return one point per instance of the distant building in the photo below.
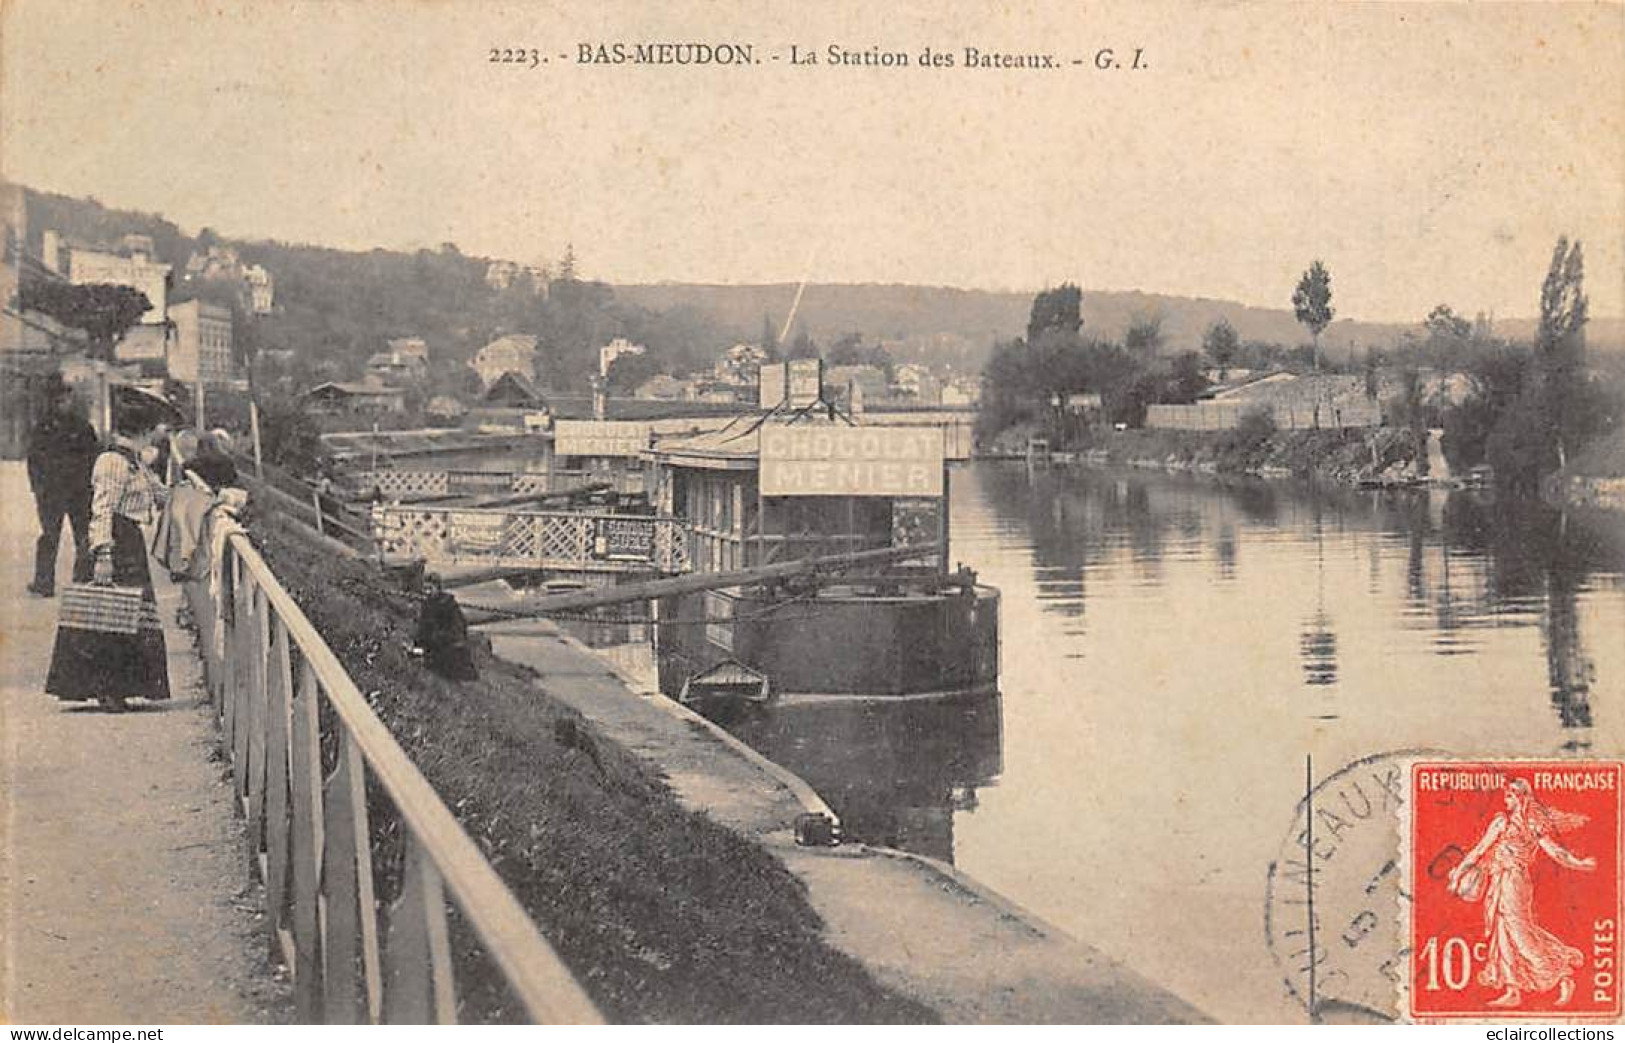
(445, 406)
(256, 286)
(261, 289)
(30, 342)
(514, 353)
(133, 243)
(741, 364)
(335, 397)
(499, 275)
(415, 347)
(201, 345)
(869, 382)
(137, 270)
(1293, 402)
(394, 367)
(512, 389)
(1229, 376)
(1250, 387)
(666, 388)
(961, 393)
(917, 382)
(614, 350)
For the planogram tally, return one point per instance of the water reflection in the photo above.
(1174, 646)
(896, 772)
(1470, 562)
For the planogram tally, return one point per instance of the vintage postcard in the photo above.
(717, 512)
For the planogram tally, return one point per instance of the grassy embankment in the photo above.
(663, 915)
(1338, 456)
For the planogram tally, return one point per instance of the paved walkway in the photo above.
(920, 926)
(125, 891)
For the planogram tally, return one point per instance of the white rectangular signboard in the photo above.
(806, 460)
(770, 385)
(600, 437)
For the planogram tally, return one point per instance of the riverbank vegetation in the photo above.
(1524, 410)
(661, 914)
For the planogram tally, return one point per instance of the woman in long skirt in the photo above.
(108, 667)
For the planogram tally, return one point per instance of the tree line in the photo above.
(1525, 408)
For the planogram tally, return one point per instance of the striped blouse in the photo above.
(119, 484)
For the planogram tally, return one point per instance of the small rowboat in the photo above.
(729, 684)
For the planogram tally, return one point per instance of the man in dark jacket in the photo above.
(442, 634)
(61, 452)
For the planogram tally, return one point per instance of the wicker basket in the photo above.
(109, 610)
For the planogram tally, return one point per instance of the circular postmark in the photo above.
(1334, 893)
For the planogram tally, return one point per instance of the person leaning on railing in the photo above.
(104, 666)
(204, 466)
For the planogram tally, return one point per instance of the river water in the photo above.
(1173, 647)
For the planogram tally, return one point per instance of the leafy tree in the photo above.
(289, 436)
(770, 339)
(803, 347)
(1185, 379)
(629, 372)
(1058, 309)
(1221, 345)
(1251, 436)
(1144, 334)
(1444, 324)
(104, 311)
(1372, 371)
(1560, 346)
(848, 350)
(1312, 303)
(1407, 411)
(1554, 409)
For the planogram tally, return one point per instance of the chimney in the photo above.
(51, 250)
(600, 399)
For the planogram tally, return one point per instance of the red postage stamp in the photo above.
(1516, 895)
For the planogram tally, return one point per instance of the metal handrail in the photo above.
(269, 670)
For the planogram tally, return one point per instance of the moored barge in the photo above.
(815, 483)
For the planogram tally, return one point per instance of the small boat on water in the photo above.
(729, 685)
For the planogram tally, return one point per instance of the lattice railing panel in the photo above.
(556, 540)
(393, 484)
(671, 547)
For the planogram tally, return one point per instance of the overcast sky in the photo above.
(1426, 153)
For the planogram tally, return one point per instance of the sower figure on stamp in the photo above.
(1523, 956)
(61, 450)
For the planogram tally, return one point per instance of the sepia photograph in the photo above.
(719, 513)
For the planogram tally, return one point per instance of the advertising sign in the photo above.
(806, 382)
(771, 385)
(797, 383)
(806, 460)
(475, 532)
(600, 438)
(623, 539)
